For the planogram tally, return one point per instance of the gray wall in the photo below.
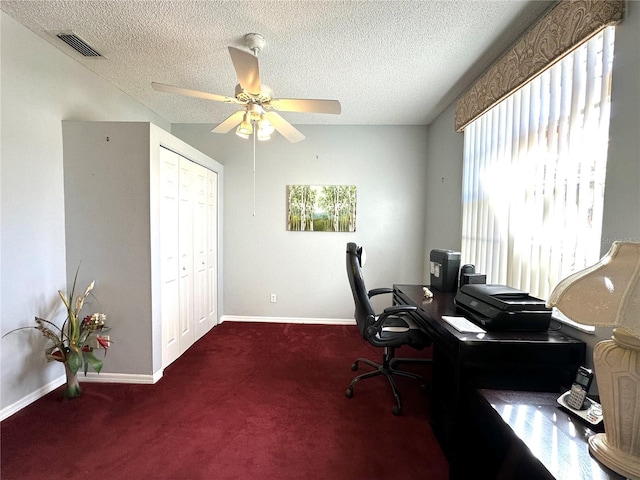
(443, 190)
(621, 219)
(622, 189)
(112, 208)
(307, 269)
(41, 86)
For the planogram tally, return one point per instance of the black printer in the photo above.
(498, 307)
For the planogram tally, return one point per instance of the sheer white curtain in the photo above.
(534, 172)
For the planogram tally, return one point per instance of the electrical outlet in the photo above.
(274, 298)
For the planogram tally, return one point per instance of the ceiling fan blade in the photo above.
(247, 70)
(230, 122)
(161, 87)
(287, 130)
(306, 105)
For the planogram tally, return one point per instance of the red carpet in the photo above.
(248, 401)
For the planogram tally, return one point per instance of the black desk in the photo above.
(463, 362)
(527, 436)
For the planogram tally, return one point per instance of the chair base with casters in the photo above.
(388, 369)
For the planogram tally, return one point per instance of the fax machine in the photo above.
(498, 307)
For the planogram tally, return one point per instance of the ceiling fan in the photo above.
(256, 99)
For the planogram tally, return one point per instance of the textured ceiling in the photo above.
(387, 62)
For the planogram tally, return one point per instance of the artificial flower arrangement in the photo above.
(73, 344)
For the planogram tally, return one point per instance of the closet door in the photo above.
(212, 248)
(200, 245)
(185, 247)
(169, 279)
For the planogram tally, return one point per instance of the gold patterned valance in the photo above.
(562, 29)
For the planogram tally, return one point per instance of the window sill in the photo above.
(563, 319)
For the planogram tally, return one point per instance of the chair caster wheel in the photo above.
(354, 366)
(349, 392)
(397, 411)
(424, 388)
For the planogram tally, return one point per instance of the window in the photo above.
(534, 174)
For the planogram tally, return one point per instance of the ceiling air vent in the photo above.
(78, 44)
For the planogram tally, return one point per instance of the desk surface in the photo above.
(443, 304)
(530, 361)
(553, 436)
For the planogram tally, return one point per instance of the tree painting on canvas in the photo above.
(328, 208)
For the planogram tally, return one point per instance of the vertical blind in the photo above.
(534, 173)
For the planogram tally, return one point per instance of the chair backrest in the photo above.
(364, 313)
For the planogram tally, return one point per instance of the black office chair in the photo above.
(389, 330)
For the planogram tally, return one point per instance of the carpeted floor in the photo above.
(247, 401)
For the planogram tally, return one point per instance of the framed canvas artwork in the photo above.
(321, 208)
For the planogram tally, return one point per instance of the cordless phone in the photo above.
(576, 400)
(579, 389)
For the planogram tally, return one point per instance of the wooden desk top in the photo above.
(442, 304)
(557, 439)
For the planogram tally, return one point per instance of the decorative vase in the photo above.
(72, 388)
(617, 364)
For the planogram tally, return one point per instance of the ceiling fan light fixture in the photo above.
(245, 129)
(263, 136)
(265, 129)
(264, 124)
(244, 136)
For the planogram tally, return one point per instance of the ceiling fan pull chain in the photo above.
(254, 170)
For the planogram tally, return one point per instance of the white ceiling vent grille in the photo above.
(78, 44)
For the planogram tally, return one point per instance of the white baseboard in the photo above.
(92, 377)
(9, 410)
(321, 321)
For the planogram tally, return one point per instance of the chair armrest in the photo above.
(378, 291)
(396, 309)
(392, 311)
